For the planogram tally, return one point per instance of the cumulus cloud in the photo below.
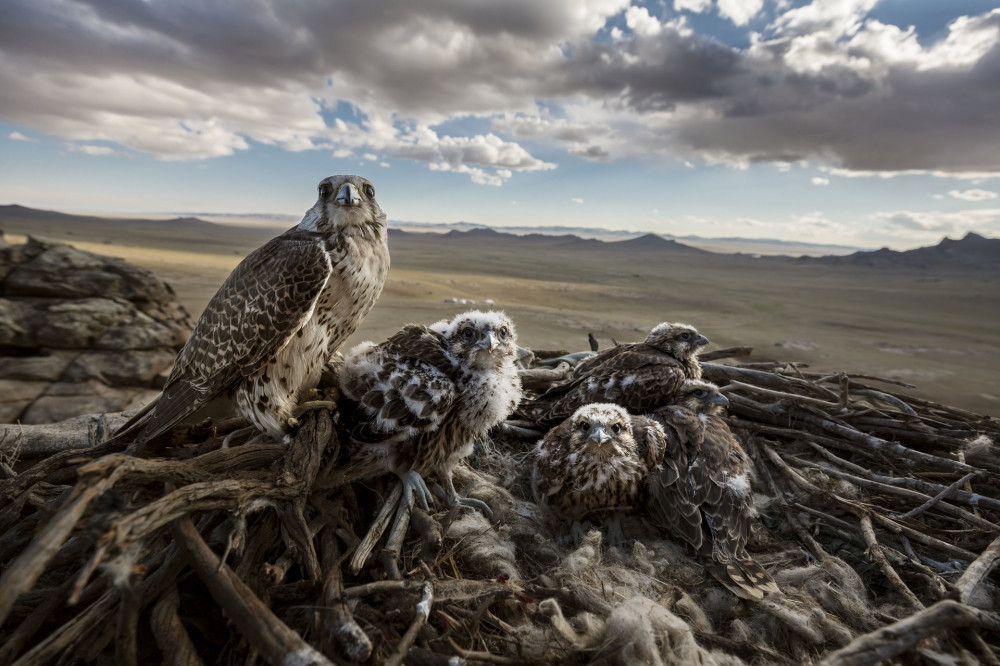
(929, 226)
(90, 150)
(696, 6)
(598, 79)
(972, 195)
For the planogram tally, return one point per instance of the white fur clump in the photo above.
(981, 449)
(641, 631)
(482, 548)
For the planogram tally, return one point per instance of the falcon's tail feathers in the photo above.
(744, 578)
(136, 423)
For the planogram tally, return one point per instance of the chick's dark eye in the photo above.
(616, 428)
(685, 336)
(503, 332)
(585, 426)
(324, 190)
(468, 333)
(369, 191)
(699, 393)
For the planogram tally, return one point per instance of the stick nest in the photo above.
(880, 521)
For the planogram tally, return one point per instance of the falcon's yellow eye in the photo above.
(324, 190)
(369, 191)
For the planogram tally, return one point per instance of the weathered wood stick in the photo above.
(728, 352)
(271, 637)
(335, 623)
(979, 569)
(902, 636)
(419, 620)
(170, 635)
(875, 552)
(367, 545)
(937, 498)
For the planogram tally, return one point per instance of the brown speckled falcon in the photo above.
(701, 490)
(266, 334)
(592, 465)
(416, 403)
(638, 376)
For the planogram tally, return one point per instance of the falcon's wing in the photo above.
(668, 501)
(260, 305)
(651, 439)
(729, 518)
(729, 509)
(551, 468)
(408, 390)
(637, 377)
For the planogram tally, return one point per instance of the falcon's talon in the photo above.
(310, 405)
(414, 485)
(474, 503)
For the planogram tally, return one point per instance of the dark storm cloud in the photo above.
(193, 80)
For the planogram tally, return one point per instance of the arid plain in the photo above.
(936, 328)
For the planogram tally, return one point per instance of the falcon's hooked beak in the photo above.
(700, 341)
(488, 342)
(720, 400)
(599, 434)
(348, 195)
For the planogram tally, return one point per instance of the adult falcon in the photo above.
(265, 336)
(592, 466)
(701, 490)
(416, 404)
(638, 376)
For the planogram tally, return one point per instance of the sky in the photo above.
(866, 123)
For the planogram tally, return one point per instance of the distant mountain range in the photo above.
(971, 252)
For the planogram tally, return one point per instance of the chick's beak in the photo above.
(720, 400)
(489, 341)
(348, 195)
(700, 341)
(599, 434)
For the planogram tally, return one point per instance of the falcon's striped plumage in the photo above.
(638, 376)
(701, 490)
(416, 403)
(265, 336)
(592, 465)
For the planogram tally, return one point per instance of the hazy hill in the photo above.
(971, 252)
(192, 234)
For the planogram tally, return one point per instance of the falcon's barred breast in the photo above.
(264, 337)
(637, 376)
(593, 464)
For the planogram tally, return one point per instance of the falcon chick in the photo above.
(416, 403)
(701, 490)
(638, 376)
(264, 337)
(592, 466)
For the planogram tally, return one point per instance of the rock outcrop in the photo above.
(81, 333)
